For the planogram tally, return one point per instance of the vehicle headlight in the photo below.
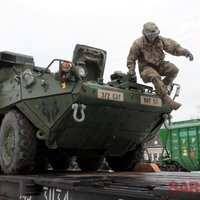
(82, 71)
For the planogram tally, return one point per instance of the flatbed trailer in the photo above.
(101, 186)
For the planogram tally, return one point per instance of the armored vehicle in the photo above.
(49, 117)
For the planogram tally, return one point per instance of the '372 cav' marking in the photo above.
(110, 95)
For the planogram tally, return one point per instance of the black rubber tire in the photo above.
(17, 144)
(90, 163)
(126, 162)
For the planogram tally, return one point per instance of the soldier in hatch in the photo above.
(65, 72)
(149, 51)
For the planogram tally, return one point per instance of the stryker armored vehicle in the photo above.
(47, 118)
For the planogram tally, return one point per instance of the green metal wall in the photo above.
(182, 141)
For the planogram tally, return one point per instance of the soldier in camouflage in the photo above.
(148, 50)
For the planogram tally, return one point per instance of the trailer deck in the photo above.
(101, 185)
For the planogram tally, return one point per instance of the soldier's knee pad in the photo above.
(173, 68)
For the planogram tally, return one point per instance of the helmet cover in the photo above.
(150, 31)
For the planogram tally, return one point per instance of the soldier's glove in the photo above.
(188, 54)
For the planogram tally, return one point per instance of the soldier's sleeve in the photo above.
(133, 55)
(172, 47)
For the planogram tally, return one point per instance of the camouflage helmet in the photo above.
(150, 31)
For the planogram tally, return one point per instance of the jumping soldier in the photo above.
(148, 50)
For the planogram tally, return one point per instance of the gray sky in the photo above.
(48, 29)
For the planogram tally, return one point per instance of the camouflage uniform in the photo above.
(151, 62)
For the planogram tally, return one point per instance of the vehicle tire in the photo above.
(90, 163)
(126, 162)
(17, 144)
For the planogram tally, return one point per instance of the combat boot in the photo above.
(172, 104)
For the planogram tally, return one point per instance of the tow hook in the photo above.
(167, 120)
(78, 107)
